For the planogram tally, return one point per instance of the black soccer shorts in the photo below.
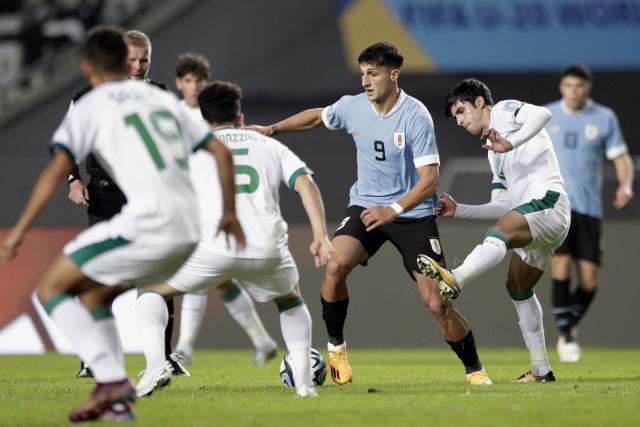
(410, 236)
(583, 240)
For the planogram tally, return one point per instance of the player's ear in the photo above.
(178, 83)
(86, 69)
(479, 102)
(395, 74)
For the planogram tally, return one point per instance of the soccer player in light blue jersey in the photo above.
(392, 200)
(583, 134)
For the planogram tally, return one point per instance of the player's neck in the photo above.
(226, 125)
(97, 79)
(387, 105)
(576, 108)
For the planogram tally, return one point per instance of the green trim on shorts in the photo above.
(66, 150)
(85, 254)
(520, 296)
(55, 300)
(101, 313)
(498, 186)
(289, 304)
(232, 293)
(292, 179)
(498, 235)
(536, 205)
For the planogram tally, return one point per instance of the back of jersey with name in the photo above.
(261, 164)
(143, 139)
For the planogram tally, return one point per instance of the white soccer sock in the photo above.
(191, 315)
(90, 344)
(108, 328)
(296, 330)
(484, 257)
(530, 321)
(242, 309)
(152, 316)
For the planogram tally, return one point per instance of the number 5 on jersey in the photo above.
(250, 171)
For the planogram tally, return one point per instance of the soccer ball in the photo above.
(318, 369)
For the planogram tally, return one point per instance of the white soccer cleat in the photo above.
(568, 352)
(153, 380)
(306, 391)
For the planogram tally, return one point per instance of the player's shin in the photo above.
(87, 339)
(295, 322)
(191, 315)
(243, 311)
(530, 321)
(334, 315)
(152, 317)
(483, 258)
(107, 328)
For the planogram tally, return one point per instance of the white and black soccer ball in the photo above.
(318, 369)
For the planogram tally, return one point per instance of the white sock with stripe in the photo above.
(86, 337)
(530, 321)
(152, 316)
(241, 307)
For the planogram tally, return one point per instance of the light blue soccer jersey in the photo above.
(389, 149)
(582, 140)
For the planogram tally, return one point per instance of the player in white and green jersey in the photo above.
(527, 199)
(265, 267)
(143, 139)
(192, 76)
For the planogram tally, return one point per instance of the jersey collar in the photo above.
(567, 111)
(399, 102)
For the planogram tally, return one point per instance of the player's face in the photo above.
(138, 62)
(575, 92)
(468, 116)
(379, 82)
(191, 85)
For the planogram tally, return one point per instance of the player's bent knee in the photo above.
(338, 268)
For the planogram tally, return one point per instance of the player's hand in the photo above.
(376, 216)
(230, 225)
(623, 197)
(446, 206)
(498, 143)
(265, 130)
(321, 250)
(9, 247)
(78, 193)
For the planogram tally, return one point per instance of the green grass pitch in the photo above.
(412, 387)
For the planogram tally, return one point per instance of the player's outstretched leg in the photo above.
(295, 322)
(241, 308)
(174, 360)
(152, 317)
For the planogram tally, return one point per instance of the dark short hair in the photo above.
(106, 49)
(220, 102)
(579, 71)
(467, 90)
(384, 54)
(193, 63)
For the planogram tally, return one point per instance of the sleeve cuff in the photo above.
(204, 142)
(325, 119)
(292, 179)
(617, 151)
(58, 146)
(432, 159)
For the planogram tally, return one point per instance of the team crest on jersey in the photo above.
(591, 131)
(435, 245)
(398, 140)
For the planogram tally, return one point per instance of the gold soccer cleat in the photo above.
(479, 378)
(446, 282)
(339, 364)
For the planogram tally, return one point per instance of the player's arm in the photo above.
(309, 192)
(531, 118)
(305, 120)
(44, 189)
(425, 187)
(496, 208)
(229, 223)
(78, 192)
(625, 174)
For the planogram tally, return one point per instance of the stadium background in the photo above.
(290, 55)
